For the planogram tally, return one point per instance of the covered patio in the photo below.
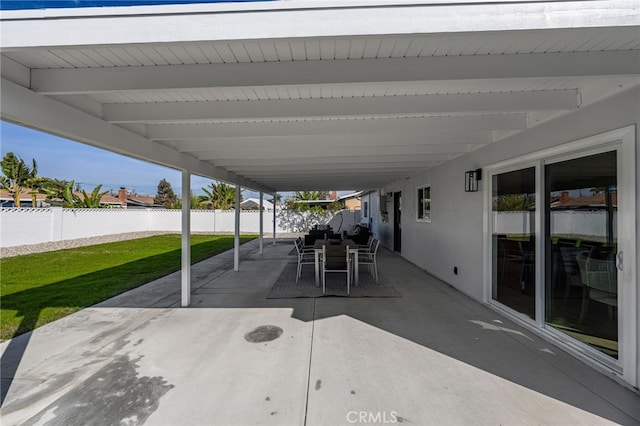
(399, 98)
(432, 356)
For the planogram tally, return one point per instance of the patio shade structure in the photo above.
(302, 95)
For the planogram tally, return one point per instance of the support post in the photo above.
(274, 217)
(236, 240)
(261, 220)
(186, 239)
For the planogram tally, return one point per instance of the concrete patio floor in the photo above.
(432, 357)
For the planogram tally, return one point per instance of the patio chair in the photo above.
(305, 257)
(369, 257)
(600, 279)
(571, 268)
(335, 258)
(368, 245)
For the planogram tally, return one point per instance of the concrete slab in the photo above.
(433, 356)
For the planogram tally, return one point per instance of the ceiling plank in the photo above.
(427, 159)
(383, 126)
(332, 141)
(385, 151)
(340, 71)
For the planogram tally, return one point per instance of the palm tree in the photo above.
(92, 200)
(87, 201)
(277, 200)
(16, 174)
(300, 200)
(220, 196)
(54, 189)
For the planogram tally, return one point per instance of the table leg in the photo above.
(316, 255)
(357, 271)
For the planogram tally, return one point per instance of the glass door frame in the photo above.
(623, 142)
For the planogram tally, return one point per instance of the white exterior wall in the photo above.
(455, 235)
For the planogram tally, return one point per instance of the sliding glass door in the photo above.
(561, 239)
(513, 238)
(581, 208)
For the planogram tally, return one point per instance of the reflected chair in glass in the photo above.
(336, 259)
(600, 280)
(369, 257)
(571, 269)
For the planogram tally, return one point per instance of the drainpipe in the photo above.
(261, 221)
(186, 239)
(236, 240)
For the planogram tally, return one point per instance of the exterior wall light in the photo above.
(471, 179)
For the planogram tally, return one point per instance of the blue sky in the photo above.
(67, 160)
(48, 4)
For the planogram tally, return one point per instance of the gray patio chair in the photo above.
(305, 257)
(600, 279)
(335, 258)
(369, 257)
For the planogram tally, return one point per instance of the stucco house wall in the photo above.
(454, 238)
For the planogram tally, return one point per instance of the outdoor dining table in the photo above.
(353, 250)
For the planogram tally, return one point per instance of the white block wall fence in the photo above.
(40, 225)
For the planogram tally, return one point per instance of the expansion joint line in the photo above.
(313, 326)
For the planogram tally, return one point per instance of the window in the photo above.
(424, 203)
(366, 209)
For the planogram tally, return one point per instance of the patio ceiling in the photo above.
(341, 111)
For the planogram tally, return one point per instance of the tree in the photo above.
(92, 200)
(16, 174)
(277, 200)
(37, 186)
(512, 202)
(88, 200)
(300, 201)
(54, 189)
(220, 196)
(195, 202)
(165, 194)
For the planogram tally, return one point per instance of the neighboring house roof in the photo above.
(585, 201)
(25, 195)
(250, 203)
(352, 195)
(132, 200)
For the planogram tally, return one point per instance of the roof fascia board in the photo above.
(125, 26)
(342, 71)
(22, 106)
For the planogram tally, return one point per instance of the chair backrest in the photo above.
(374, 246)
(335, 256)
(569, 257)
(599, 274)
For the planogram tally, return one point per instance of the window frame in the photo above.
(420, 207)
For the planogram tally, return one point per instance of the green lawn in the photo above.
(43, 287)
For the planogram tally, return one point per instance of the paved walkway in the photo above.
(431, 357)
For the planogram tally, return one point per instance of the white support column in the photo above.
(274, 217)
(236, 240)
(186, 238)
(261, 220)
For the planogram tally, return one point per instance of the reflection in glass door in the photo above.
(513, 240)
(581, 277)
